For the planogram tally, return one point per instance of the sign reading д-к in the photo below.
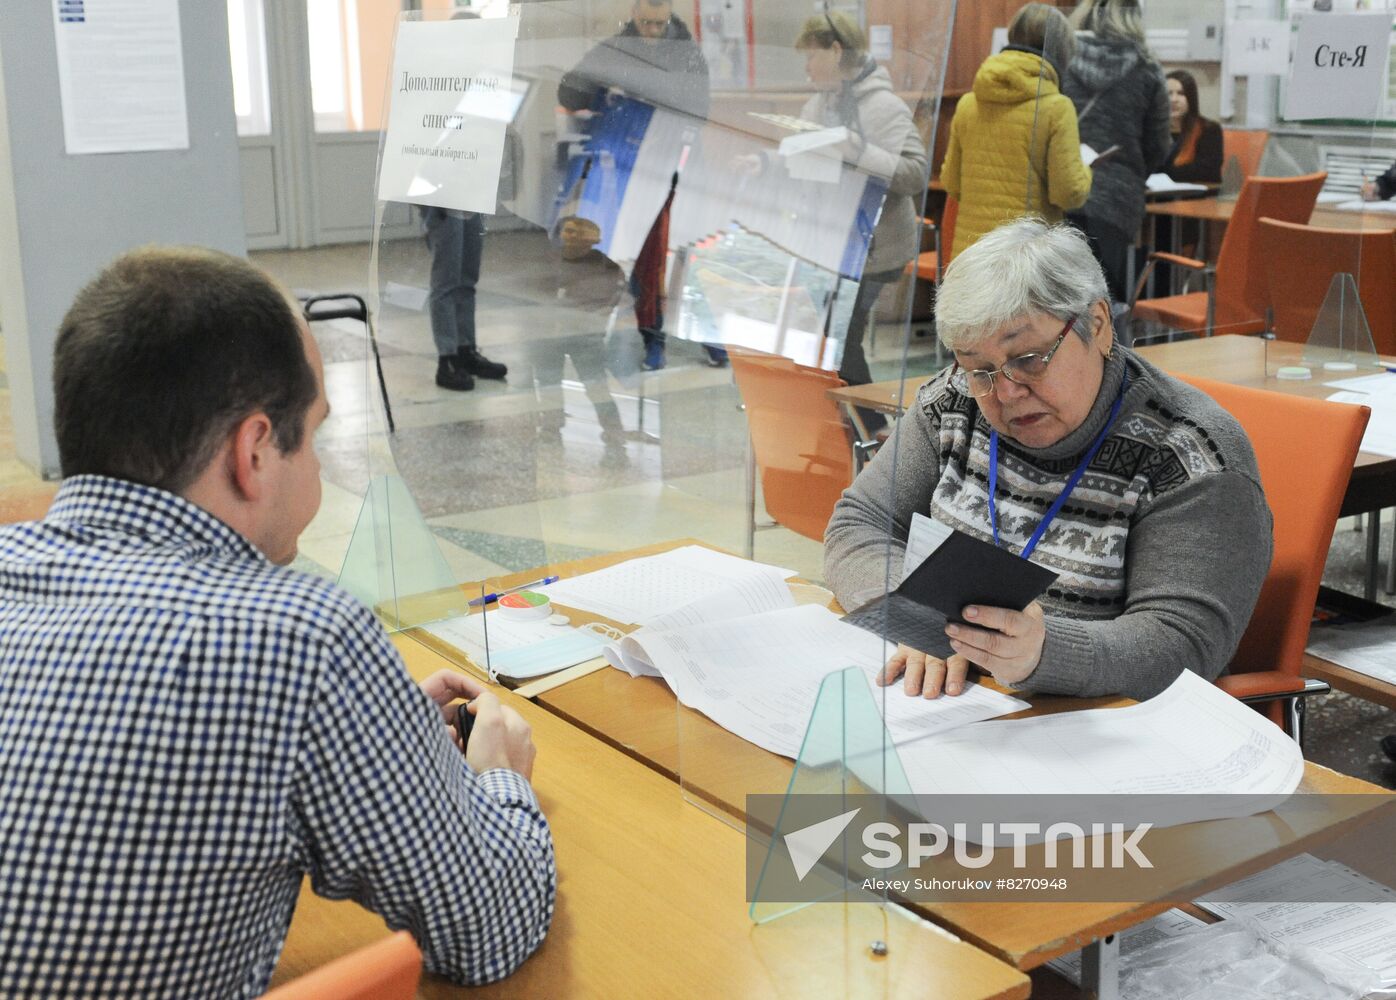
(1339, 66)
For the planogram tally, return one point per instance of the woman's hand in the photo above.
(1000, 641)
(926, 676)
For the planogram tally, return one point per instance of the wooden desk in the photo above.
(1206, 211)
(651, 903)
(641, 717)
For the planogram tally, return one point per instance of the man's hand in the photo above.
(500, 737)
(1000, 641)
(926, 676)
(1369, 190)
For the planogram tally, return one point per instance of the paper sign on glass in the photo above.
(1339, 68)
(1257, 48)
(445, 137)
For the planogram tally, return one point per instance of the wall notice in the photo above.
(120, 75)
(452, 97)
(1339, 68)
(1257, 48)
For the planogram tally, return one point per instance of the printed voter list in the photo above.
(445, 137)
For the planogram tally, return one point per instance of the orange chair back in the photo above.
(1242, 292)
(1247, 145)
(947, 231)
(1300, 262)
(1305, 450)
(799, 437)
(387, 970)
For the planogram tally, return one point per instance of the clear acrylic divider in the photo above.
(847, 768)
(796, 224)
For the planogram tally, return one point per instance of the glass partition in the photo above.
(614, 351)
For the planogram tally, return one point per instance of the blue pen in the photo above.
(491, 598)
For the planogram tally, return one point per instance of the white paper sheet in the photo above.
(546, 641)
(1358, 924)
(1380, 436)
(682, 586)
(1163, 184)
(1193, 738)
(120, 75)
(925, 535)
(814, 156)
(1339, 66)
(759, 676)
(445, 138)
(1366, 647)
(1358, 205)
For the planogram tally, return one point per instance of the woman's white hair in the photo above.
(1022, 268)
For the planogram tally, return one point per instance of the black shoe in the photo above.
(1388, 743)
(477, 364)
(450, 374)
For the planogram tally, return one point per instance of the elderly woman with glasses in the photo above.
(1049, 439)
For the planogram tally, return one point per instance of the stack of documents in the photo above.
(1366, 647)
(678, 587)
(1379, 392)
(1163, 184)
(1193, 738)
(1358, 925)
(758, 676)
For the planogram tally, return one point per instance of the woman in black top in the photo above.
(1196, 155)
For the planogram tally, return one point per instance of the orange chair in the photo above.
(799, 438)
(387, 970)
(1300, 262)
(931, 264)
(26, 503)
(1247, 145)
(1304, 497)
(1236, 297)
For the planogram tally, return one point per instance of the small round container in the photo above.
(525, 606)
(1294, 373)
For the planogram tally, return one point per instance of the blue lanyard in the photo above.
(1070, 483)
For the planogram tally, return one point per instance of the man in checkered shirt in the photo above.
(187, 727)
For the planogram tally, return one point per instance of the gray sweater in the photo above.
(1161, 549)
(1121, 100)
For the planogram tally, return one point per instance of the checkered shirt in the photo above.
(186, 730)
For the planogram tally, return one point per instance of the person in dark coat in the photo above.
(1121, 101)
(1380, 189)
(654, 59)
(1196, 154)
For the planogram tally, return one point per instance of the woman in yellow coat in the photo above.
(1014, 146)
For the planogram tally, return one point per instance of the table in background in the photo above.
(1205, 211)
(1232, 358)
(650, 902)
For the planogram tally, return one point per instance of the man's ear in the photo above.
(249, 457)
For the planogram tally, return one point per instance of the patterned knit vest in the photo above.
(1148, 451)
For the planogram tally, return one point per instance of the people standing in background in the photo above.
(1121, 101)
(653, 59)
(853, 91)
(1380, 188)
(1196, 154)
(457, 243)
(1014, 148)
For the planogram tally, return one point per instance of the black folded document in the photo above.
(962, 571)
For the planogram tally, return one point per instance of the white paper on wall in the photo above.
(120, 75)
(1257, 48)
(1339, 68)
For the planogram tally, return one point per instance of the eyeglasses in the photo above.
(653, 24)
(1024, 369)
